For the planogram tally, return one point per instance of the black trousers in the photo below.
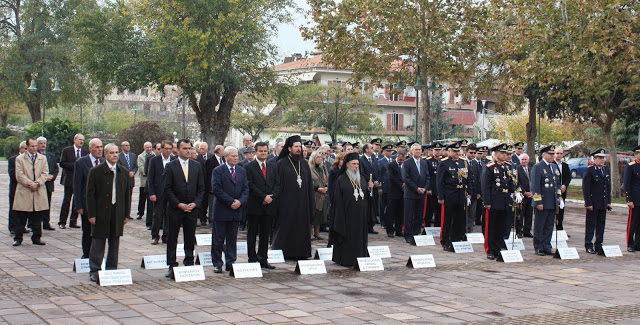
(382, 209)
(97, 254)
(494, 224)
(86, 236)
(480, 213)
(64, 209)
(34, 223)
(142, 201)
(159, 219)
(13, 215)
(395, 211)
(453, 225)
(204, 210)
(413, 209)
(186, 220)
(226, 234)
(633, 228)
(525, 217)
(46, 215)
(559, 219)
(434, 210)
(595, 223)
(258, 225)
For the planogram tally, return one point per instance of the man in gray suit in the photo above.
(129, 160)
(545, 185)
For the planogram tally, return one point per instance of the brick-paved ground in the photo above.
(37, 285)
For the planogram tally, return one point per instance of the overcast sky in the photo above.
(289, 39)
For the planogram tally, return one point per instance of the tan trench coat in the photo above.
(25, 199)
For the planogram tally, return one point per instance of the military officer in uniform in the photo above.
(451, 181)
(497, 187)
(433, 207)
(596, 189)
(519, 148)
(402, 144)
(545, 183)
(632, 194)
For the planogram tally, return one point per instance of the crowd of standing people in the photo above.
(287, 195)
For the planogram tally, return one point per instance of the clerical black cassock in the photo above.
(296, 207)
(350, 211)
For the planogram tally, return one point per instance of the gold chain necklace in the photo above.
(298, 179)
(357, 189)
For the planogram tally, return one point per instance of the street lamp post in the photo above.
(78, 106)
(484, 112)
(135, 113)
(337, 103)
(417, 86)
(33, 88)
(432, 90)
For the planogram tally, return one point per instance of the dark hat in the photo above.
(248, 149)
(519, 145)
(636, 149)
(427, 146)
(500, 147)
(349, 157)
(288, 143)
(308, 143)
(509, 148)
(483, 149)
(455, 146)
(551, 149)
(356, 144)
(388, 147)
(411, 143)
(599, 153)
(376, 141)
(464, 143)
(401, 143)
(437, 146)
(346, 143)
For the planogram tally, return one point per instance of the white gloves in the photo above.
(561, 204)
(518, 198)
(468, 201)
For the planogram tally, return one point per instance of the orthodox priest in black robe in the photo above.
(350, 212)
(297, 202)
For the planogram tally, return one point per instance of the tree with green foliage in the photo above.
(142, 132)
(59, 133)
(212, 50)
(394, 40)
(253, 115)
(315, 106)
(35, 44)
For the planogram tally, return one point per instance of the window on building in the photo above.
(364, 88)
(394, 97)
(163, 108)
(395, 121)
(132, 92)
(147, 108)
(144, 92)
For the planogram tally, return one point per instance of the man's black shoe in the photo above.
(217, 269)
(540, 252)
(93, 278)
(74, 226)
(528, 235)
(148, 227)
(631, 250)
(16, 243)
(389, 234)
(398, 234)
(228, 267)
(266, 265)
(371, 231)
(139, 217)
(491, 257)
(38, 242)
(26, 231)
(155, 241)
(548, 253)
(170, 274)
(62, 227)
(591, 251)
(13, 232)
(47, 227)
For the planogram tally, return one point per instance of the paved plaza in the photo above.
(38, 285)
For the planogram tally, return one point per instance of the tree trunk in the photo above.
(611, 145)
(532, 129)
(426, 117)
(214, 125)
(34, 109)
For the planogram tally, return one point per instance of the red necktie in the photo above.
(264, 171)
(233, 174)
(96, 162)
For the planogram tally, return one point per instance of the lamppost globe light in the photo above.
(33, 87)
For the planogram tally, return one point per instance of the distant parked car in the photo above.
(577, 166)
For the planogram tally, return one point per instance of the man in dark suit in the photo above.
(249, 155)
(129, 160)
(519, 148)
(231, 188)
(632, 196)
(80, 176)
(383, 162)
(13, 182)
(261, 205)
(596, 190)
(107, 213)
(143, 198)
(184, 191)
(545, 185)
(565, 179)
(203, 158)
(523, 225)
(53, 173)
(369, 171)
(433, 210)
(395, 195)
(68, 159)
(474, 185)
(415, 175)
(155, 186)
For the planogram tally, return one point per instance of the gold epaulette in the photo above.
(508, 163)
(491, 164)
(632, 163)
(430, 157)
(443, 159)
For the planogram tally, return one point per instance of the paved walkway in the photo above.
(37, 285)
